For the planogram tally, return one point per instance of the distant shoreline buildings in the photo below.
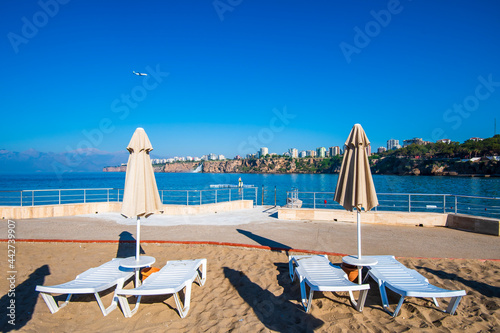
(320, 152)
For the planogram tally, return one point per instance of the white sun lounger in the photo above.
(321, 275)
(172, 278)
(91, 281)
(390, 273)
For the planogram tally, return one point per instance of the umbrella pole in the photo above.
(138, 240)
(359, 244)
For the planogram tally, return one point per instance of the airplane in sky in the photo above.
(140, 74)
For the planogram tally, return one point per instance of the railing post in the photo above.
(456, 204)
(242, 193)
(275, 196)
(59, 196)
(256, 196)
(187, 198)
(84, 195)
(409, 202)
(118, 196)
(32, 198)
(444, 203)
(314, 200)
(108, 195)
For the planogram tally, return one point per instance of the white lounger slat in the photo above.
(319, 274)
(390, 273)
(172, 278)
(92, 281)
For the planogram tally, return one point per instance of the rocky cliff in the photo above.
(445, 167)
(384, 166)
(178, 167)
(122, 168)
(274, 165)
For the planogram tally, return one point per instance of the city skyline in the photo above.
(330, 151)
(217, 81)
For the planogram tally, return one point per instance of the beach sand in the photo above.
(247, 290)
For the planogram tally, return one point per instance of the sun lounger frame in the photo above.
(92, 281)
(175, 276)
(319, 274)
(391, 274)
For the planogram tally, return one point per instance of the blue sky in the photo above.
(230, 76)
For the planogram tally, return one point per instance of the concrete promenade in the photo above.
(260, 227)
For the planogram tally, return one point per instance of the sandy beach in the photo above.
(248, 288)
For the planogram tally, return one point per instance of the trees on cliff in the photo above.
(468, 149)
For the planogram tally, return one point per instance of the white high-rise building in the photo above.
(302, 154)
(334, 151)
(393, 144)
(263, 151)
(293, 152)
(321, 152)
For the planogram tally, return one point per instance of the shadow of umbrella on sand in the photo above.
(126, 246)
(140, 197)
(355, 187)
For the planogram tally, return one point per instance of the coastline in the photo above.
(397, 167)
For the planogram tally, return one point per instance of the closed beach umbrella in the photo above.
(141, 197)
(355, 187)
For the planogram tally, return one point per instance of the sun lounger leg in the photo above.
(183, 311)
(52, 304)
(306, 301)
(383, 295)
(360, 303)
(452, 307)
(435, 301)
(401, 300)
(201, 279)
(105, 311)
(127, 312)
(114, 303)
(291, 269)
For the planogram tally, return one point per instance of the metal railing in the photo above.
(58, 196)
(410, 202)
(169, 197)
(202, 197)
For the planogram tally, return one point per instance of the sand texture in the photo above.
(247, 290)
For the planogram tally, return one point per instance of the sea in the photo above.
(281, 183)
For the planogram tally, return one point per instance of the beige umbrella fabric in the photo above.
(140, 197)
(355, 187)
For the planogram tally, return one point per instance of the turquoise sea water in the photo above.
(271, 187)
(489, 187)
